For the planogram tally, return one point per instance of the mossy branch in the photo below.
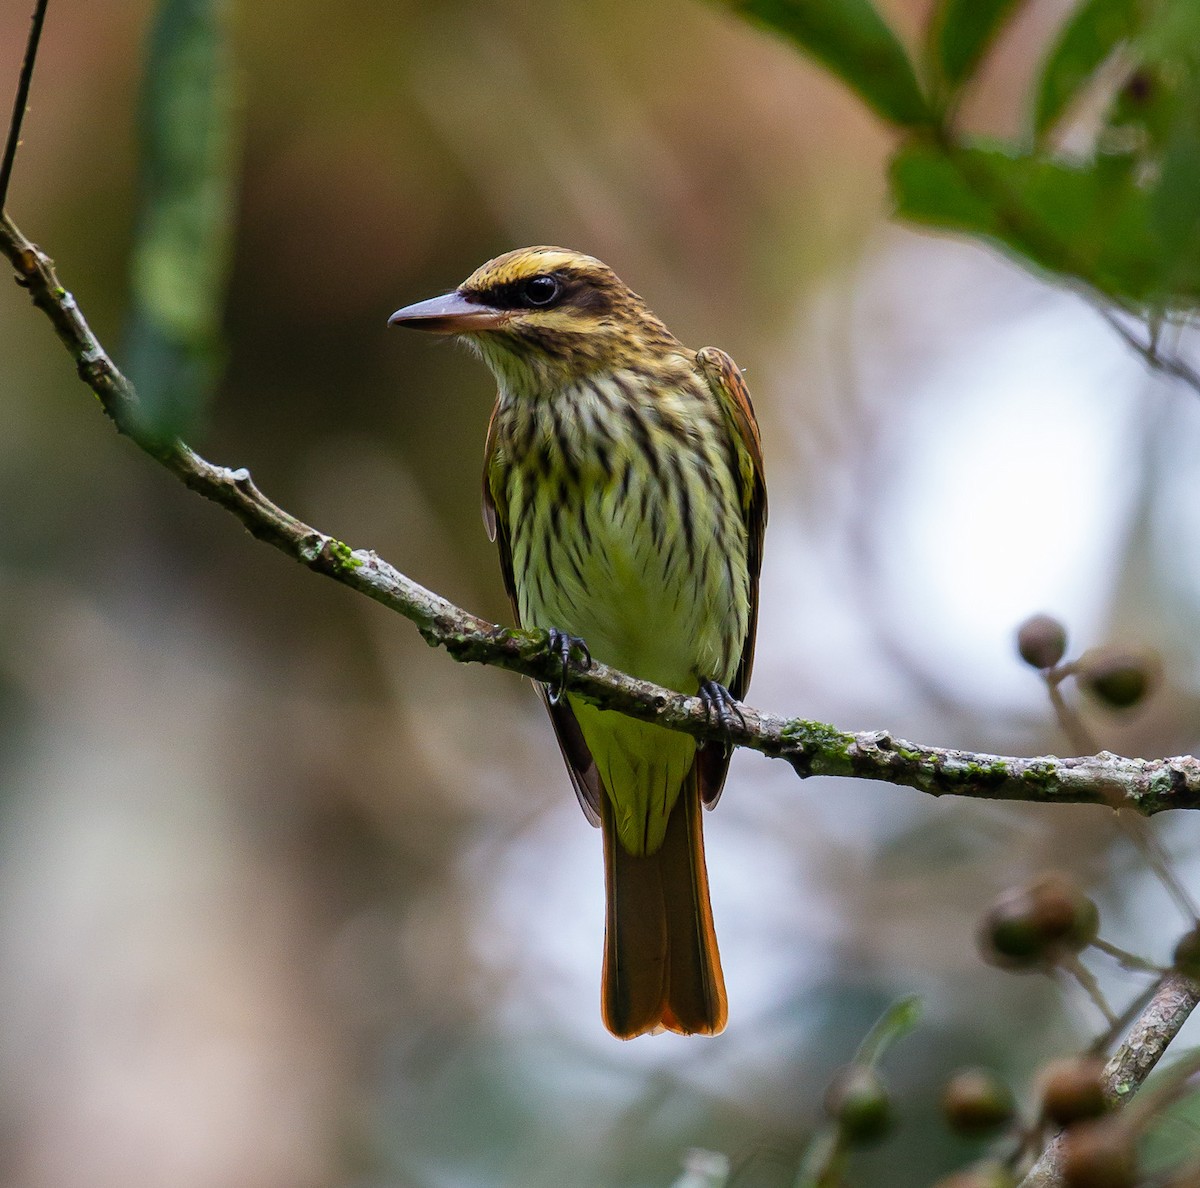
(811, 748)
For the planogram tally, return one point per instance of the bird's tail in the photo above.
(662, 970)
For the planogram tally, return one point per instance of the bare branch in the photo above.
(1154, 1029)
(1150, 350)
(1148, 1038)
(22, 99)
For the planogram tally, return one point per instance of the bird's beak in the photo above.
(450, 314)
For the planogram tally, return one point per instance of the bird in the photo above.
(623, 485)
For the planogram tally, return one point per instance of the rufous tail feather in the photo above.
(661, 965)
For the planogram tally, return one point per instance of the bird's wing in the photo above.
(582, 767)
(726, 384)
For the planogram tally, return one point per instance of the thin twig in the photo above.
(1150, 351)
(22, 99)
(1070, 964)
(1078, 736)
(1138, 831)
(1142, 834)
(812, 748)
(1127, 960)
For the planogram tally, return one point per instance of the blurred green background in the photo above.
(290, 899)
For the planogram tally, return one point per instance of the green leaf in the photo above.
(1172, 1137)
(851, 39)
(1163, 88)
(895, 1023)
(1169, 31)
(822, 1161)
(962, 31)
(185, 224)
(1091, 223)
(1086, 41)
(1175, 199)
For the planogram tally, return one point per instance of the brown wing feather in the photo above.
(726, 384)
(582, 768)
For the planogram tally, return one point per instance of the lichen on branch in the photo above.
(811, 748)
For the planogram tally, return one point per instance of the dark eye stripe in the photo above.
(581, 291)
(526, 293)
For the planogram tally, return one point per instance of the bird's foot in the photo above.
(721, 706)
(561, 644)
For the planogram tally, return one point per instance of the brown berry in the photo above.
(1033, 926)
(1139, 87)
(1187, 954)
(857, 1100)
(975, 1102)
(1065, 916)
(1119, 678)
(1041, 641)
(1073, 1090)
(1098, 1155)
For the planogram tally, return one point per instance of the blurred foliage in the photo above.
(1122, 216)
(1176, 1135)
(850, 38)
(960, 32)
(181, 258)
(1086, 41)
(860, 1108)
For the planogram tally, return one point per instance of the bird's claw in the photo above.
(721, 705)
(561, 644)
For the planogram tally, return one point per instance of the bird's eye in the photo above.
(540, 290)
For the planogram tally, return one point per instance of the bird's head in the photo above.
(543, 316)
